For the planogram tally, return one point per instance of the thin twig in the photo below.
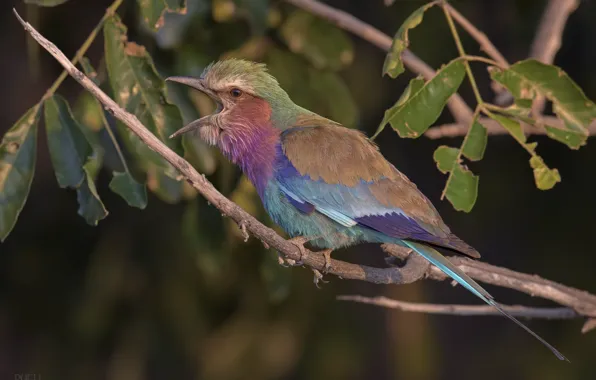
(581, 301)
(485, 44)
(464, 310)
(458, 107)
(494, 128)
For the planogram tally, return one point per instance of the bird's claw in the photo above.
(286, 262)
(318, 278)
(327, 254)
(299, 242)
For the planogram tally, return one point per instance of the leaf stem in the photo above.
(113, 138)
(476, 58)
(83, 49)
(462, 53)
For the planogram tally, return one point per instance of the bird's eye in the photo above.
(236, 93)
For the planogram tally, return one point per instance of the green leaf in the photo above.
(394, 64)
(140, 90)
(90, 206)
(461, 188)
(17, 167)
(75, 162)
(513, 127)
(46, 3)
(475, 142)
(95, 161)
(320, 42)
(134, 193)
(68, 146)
(412, 118)
(545, 177)
(446, 158)
(527, 78)
(572, 139)
(413, 87)
(153, 11)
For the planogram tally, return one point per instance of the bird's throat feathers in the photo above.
(249, 140)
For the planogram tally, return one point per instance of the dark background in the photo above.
(136, 298)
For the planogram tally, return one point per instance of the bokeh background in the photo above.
(173, 292)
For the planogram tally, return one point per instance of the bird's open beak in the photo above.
(197, 84)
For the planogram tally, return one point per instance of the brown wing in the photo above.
(327, 151)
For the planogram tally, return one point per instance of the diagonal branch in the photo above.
(464, 310)
(580, 301)
(458, 107)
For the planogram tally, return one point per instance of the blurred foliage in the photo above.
(174, 291)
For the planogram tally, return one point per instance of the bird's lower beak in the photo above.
(197, 84)
(192, 126)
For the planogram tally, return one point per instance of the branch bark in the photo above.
(548, 38)
(464, 310)
(580, 301)
(494, 128)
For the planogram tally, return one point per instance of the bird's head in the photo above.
(246, 95)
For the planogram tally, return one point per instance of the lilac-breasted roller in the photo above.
(318, 179)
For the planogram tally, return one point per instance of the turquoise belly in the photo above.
(328, 233)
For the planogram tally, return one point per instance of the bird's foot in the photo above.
(318, 278)
(299, 242)
(327, 254)
(286, 262)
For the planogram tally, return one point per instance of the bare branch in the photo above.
(464, 310)
(458, 107)
(494, 128)
(479, 36)
(550, 31)
(581, 301)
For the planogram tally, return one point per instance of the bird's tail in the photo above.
(464, 280)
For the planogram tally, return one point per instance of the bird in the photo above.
(317, 179)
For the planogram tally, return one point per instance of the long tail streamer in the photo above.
(441, 262)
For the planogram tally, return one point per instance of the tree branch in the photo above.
(479, 36)
(580, 301)
(458, 107)
(464, 310)
(550, 31)
(494, 128)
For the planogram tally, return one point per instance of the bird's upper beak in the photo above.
(197, 84)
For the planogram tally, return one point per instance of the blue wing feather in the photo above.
(348, 206)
